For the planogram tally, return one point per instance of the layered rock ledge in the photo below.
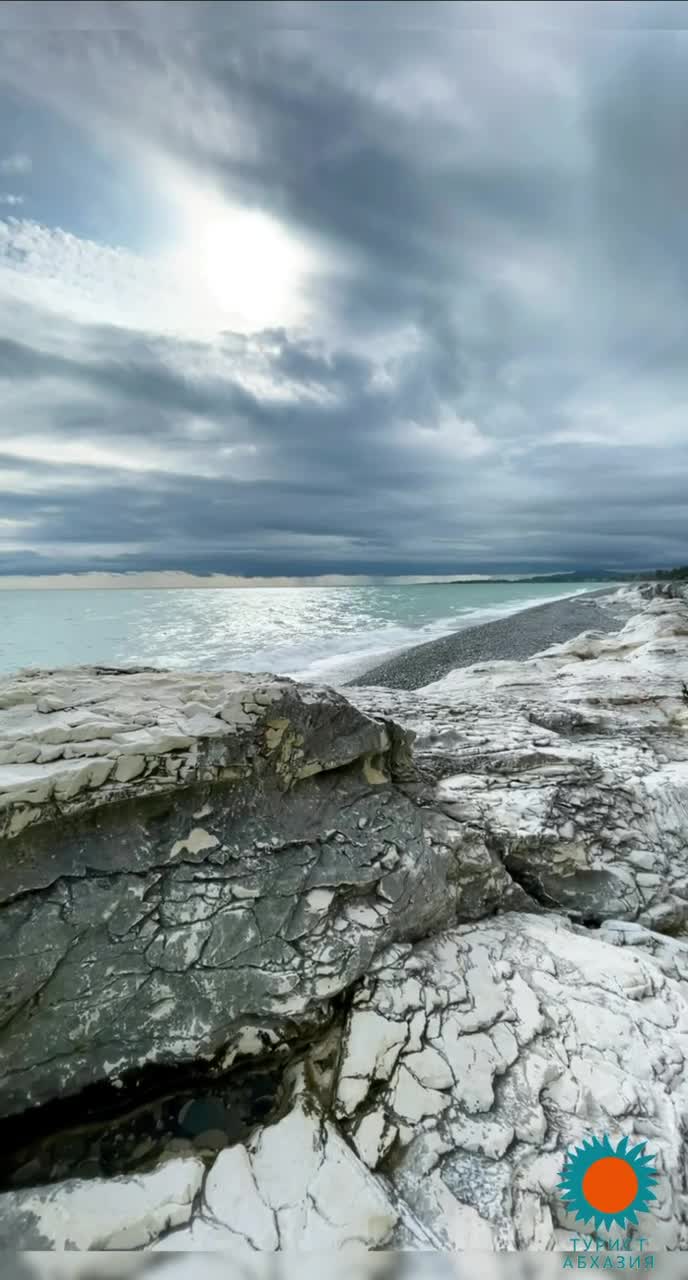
(573, 765)
(457, 954)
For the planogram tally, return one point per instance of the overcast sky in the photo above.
(344, 288)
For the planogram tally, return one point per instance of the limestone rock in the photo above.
(117, 1213)
(469, 1063)
(296, 1185)
(206, 868)
(210, 902)
(572, 766)
(487, 1051)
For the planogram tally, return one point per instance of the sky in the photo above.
(336, 289)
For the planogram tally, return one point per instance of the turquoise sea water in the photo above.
(328, 633)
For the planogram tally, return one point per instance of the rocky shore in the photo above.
(512, 639)
(285, 967)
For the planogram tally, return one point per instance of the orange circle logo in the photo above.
(606, 1183)
(610, 1184)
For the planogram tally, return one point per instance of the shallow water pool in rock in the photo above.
(105, 1132)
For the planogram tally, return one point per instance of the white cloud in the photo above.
(17, 163)
(25, 480)
(85, 453)
(8, 527)
(505, 291)
(226, 270)
(616, 413)
(83, 280)
(449, 436)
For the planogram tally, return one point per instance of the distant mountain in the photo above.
(678, 574)
(578, 575)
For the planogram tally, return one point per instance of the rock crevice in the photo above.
(378, 898)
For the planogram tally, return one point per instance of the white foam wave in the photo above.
(345, 657)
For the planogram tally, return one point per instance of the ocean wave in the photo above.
(345, 657)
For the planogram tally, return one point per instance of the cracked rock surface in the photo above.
(466, 960)
(473, 1060)
(294, 1185)
(122, 1213)
(573, 766)
(213, 904)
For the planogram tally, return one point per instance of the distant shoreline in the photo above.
(566, 581)
(513, 638)
(77, 582)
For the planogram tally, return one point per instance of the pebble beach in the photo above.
(514, 638)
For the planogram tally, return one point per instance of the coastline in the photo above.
(529, 836)
(513, 638)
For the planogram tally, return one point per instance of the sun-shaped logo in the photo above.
(606, 1183)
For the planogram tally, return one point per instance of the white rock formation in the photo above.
(469, 1063)
(573, 765)
(296, 1185)
(467, 1054)
(67, 734)
(481, 1055)
(117, 1213)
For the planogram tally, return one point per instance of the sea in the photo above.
(315, 633)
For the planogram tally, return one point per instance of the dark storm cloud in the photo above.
(499, 376)
(143, 381)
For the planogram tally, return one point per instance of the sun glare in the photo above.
(244, 270)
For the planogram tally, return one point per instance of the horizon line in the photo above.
(167, 579)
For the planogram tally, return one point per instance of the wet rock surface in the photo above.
(406, 983)
(111, 1134)
(213, 906)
